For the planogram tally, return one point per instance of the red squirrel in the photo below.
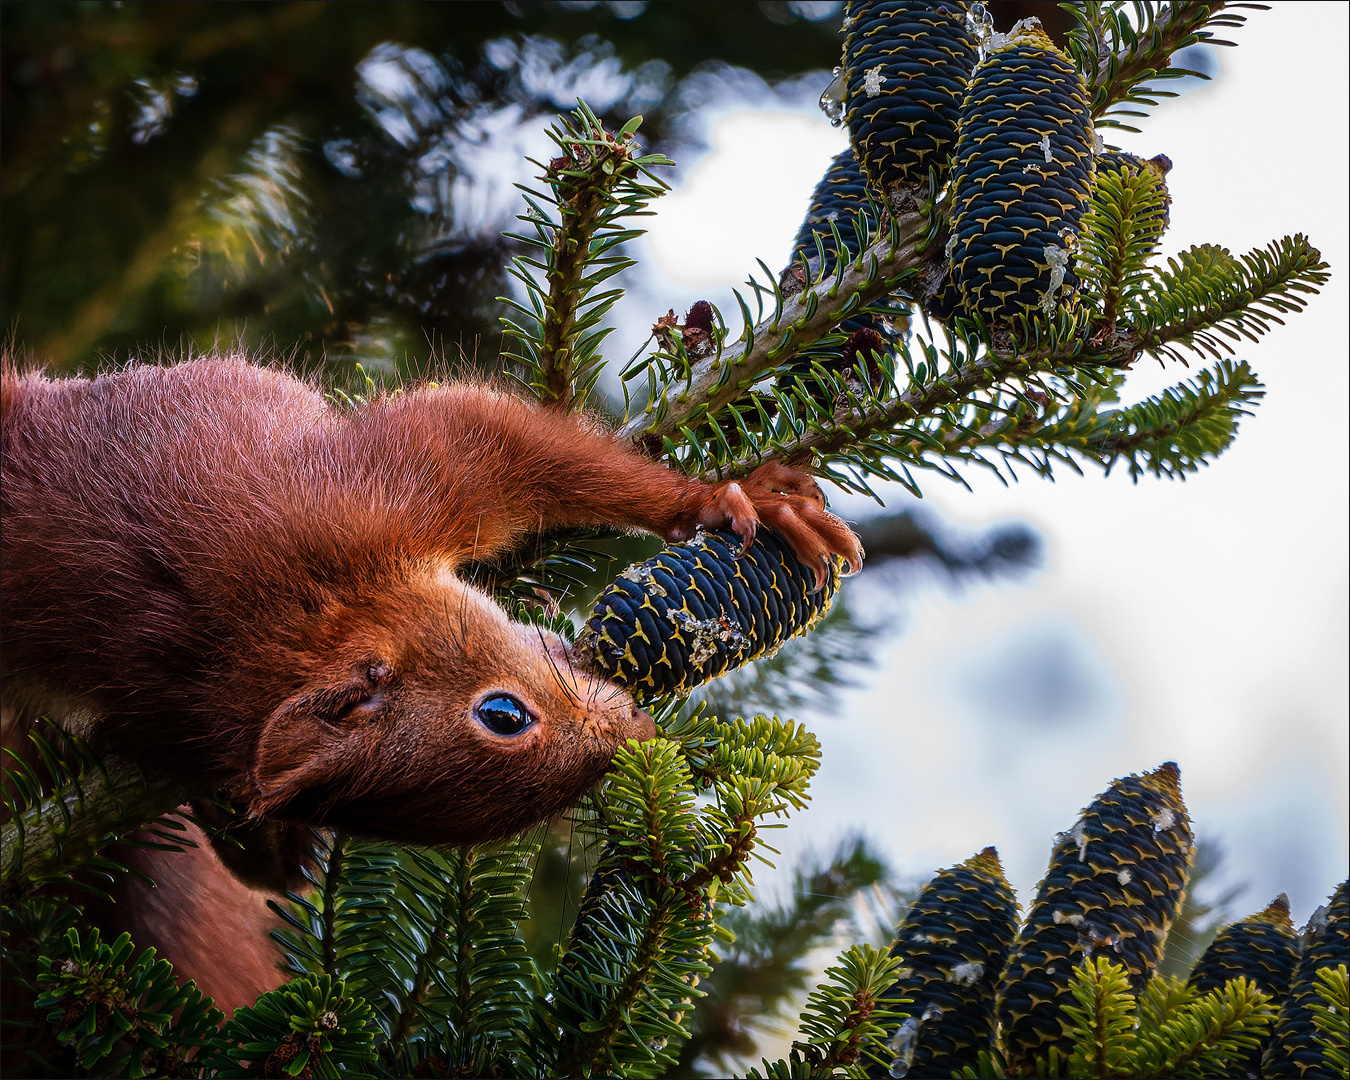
(211, 569)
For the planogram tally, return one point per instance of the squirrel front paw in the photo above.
(785, 499)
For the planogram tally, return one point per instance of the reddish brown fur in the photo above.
(237, 583)
(213, 928)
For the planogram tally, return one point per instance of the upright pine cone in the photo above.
(1263, 948)
(1115, 883)
(611, 898)
(609, 887)
(1021, 178)
(906, 64)
(954, 941)
(1294, 1049)
(699, 609)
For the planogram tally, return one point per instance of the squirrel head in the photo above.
(423, 714)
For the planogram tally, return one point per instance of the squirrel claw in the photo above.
(790, 501)
(821, 574)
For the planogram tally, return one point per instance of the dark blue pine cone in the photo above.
(1115, 883)
(954, 941)
(1021, 178)
(699, 609)
(906, 65)
(1263, 948)
(1295, 1049)
(840, 196)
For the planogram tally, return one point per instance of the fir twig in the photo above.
(797, 321)
(116, 1010)
(1331, 1017)
(623, 990)
(460, 975)
(65, 811)
(350, 887)
(1104, 1020)
(1119, 232)
(1170, 434)
(845, 1019)
(1127, 47)
(1210, 1036)
(598, 179)
(312, 1026)
(1163, 1000)
(1207, 298)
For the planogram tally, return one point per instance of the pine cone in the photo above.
(954, 941)
(699, 609)
(1115, 884)
(1263, 948)
(1021, 177)
(906, 67)
(1295, 1049)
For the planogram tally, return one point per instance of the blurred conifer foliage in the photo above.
(970, 284)
(327, 177)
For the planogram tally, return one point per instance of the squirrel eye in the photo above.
(503, 714)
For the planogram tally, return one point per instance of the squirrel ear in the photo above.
(305, 744)
(293, 755)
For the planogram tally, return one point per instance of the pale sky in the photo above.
(1202, 622)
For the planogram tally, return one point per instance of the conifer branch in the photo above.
(1331, 1016)
(328, 899)
(1170, 434)
(845, 1019)
(1123, 57)
(115, 1009)
(1162, 1001)
(349, 883)
(797, 321)
(1207, 1037)
(1206, 298)
(757, 768)
(88, 804)
(865, 432)
(428, 938)
(597, 180)
(311, 1026)
(1104, 1019)
(621, 993)
(1119, 232)
(468, 987)
(1168, 1031)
